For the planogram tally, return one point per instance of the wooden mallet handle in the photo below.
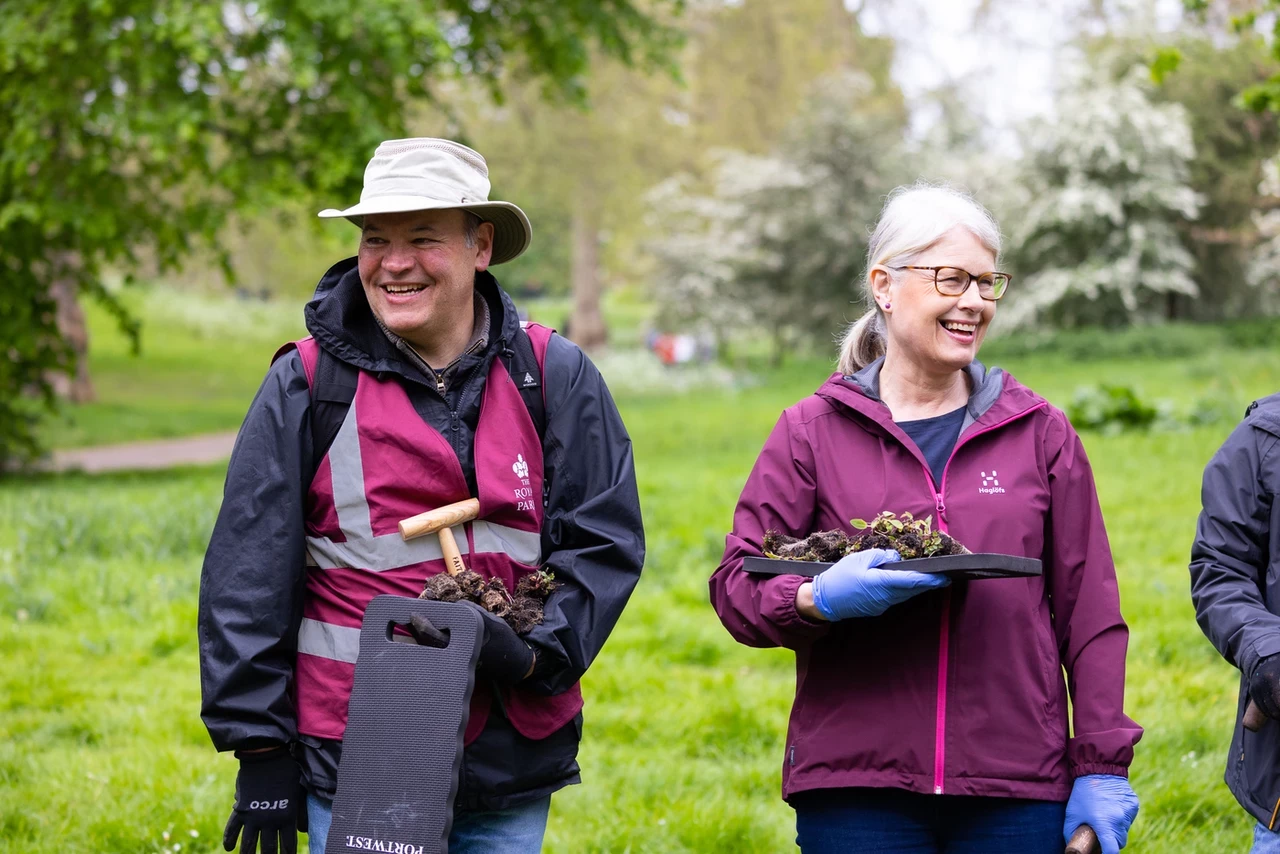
(1253, 717)
(440, 518)
(1084, 841)
(452, 556)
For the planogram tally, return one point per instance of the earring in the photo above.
(888, 306)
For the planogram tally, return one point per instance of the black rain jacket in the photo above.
(251, 587)
(1235, 584)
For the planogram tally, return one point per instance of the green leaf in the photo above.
(858, 524)
(1245, 21)
(131, 126)
(1165, 62)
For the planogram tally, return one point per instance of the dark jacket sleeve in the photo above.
(1231, 551)
(592, 536)
(254, 569)
(780, 494)
(1091, 634)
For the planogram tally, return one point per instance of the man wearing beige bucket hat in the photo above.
(417, 387)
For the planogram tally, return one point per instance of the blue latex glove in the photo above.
(1107, 804)
(854, 587)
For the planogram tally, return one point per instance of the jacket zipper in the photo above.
(453, 413)
(944, 636)
(442, 390)
(944, 628)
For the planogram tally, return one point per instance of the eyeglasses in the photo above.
(953, 281)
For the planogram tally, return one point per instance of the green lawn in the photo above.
(102, 749)
(203, 357)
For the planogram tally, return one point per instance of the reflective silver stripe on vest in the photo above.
(390, 551)
(326, 640)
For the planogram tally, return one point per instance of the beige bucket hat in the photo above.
(424, 174)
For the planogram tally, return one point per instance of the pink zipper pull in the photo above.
(942, 508)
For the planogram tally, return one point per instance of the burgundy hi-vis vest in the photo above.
(386, 464)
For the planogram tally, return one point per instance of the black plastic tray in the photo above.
(968, 567)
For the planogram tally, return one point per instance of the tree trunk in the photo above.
(74, 330)
(779, 346)
(586, 323)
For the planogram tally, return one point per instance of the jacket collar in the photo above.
(340, 320)
(994, 396)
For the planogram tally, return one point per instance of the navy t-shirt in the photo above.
(936, 438)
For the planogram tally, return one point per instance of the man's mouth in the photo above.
(403, 289)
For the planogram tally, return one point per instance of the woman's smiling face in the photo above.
(939, 333)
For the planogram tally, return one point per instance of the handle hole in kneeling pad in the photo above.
(418, 632)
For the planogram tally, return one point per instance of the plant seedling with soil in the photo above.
(522, 611)
(910, 537)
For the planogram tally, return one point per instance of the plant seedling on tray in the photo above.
(910, 537)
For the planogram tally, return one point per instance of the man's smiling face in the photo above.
(418, 270)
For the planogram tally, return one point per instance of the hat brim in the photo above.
(511, 229)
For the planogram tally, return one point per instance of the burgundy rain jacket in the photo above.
(957, 691)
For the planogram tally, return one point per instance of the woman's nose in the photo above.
(972, 298)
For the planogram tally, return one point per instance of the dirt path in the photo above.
(154, 454)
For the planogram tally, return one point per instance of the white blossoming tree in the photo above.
(777, 243)
(1263, 270)
(1106, 185)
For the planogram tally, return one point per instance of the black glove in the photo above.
(504, 656)
(1264, 686)
(269, 798)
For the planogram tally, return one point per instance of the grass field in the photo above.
(102, 749)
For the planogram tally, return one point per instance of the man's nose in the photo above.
(398, 259)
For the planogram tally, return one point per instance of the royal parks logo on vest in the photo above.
(524, 495)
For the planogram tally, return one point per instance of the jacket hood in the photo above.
(1265, 414)
(340, 319)
(995, 395)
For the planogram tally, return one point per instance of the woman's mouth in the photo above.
(959, 330)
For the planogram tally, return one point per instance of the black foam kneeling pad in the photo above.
(402, 751)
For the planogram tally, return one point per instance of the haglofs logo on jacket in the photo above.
(990, 485)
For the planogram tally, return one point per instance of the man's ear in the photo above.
(484, 246)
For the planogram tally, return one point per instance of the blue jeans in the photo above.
(1264, 841)
(892, 821)
(518, 830)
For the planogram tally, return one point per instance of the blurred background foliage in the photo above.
(721, 160)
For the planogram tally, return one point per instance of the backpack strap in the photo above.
(332, 391)
(333, 386)
(524, 362)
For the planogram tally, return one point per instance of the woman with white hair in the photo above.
(932, 717)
